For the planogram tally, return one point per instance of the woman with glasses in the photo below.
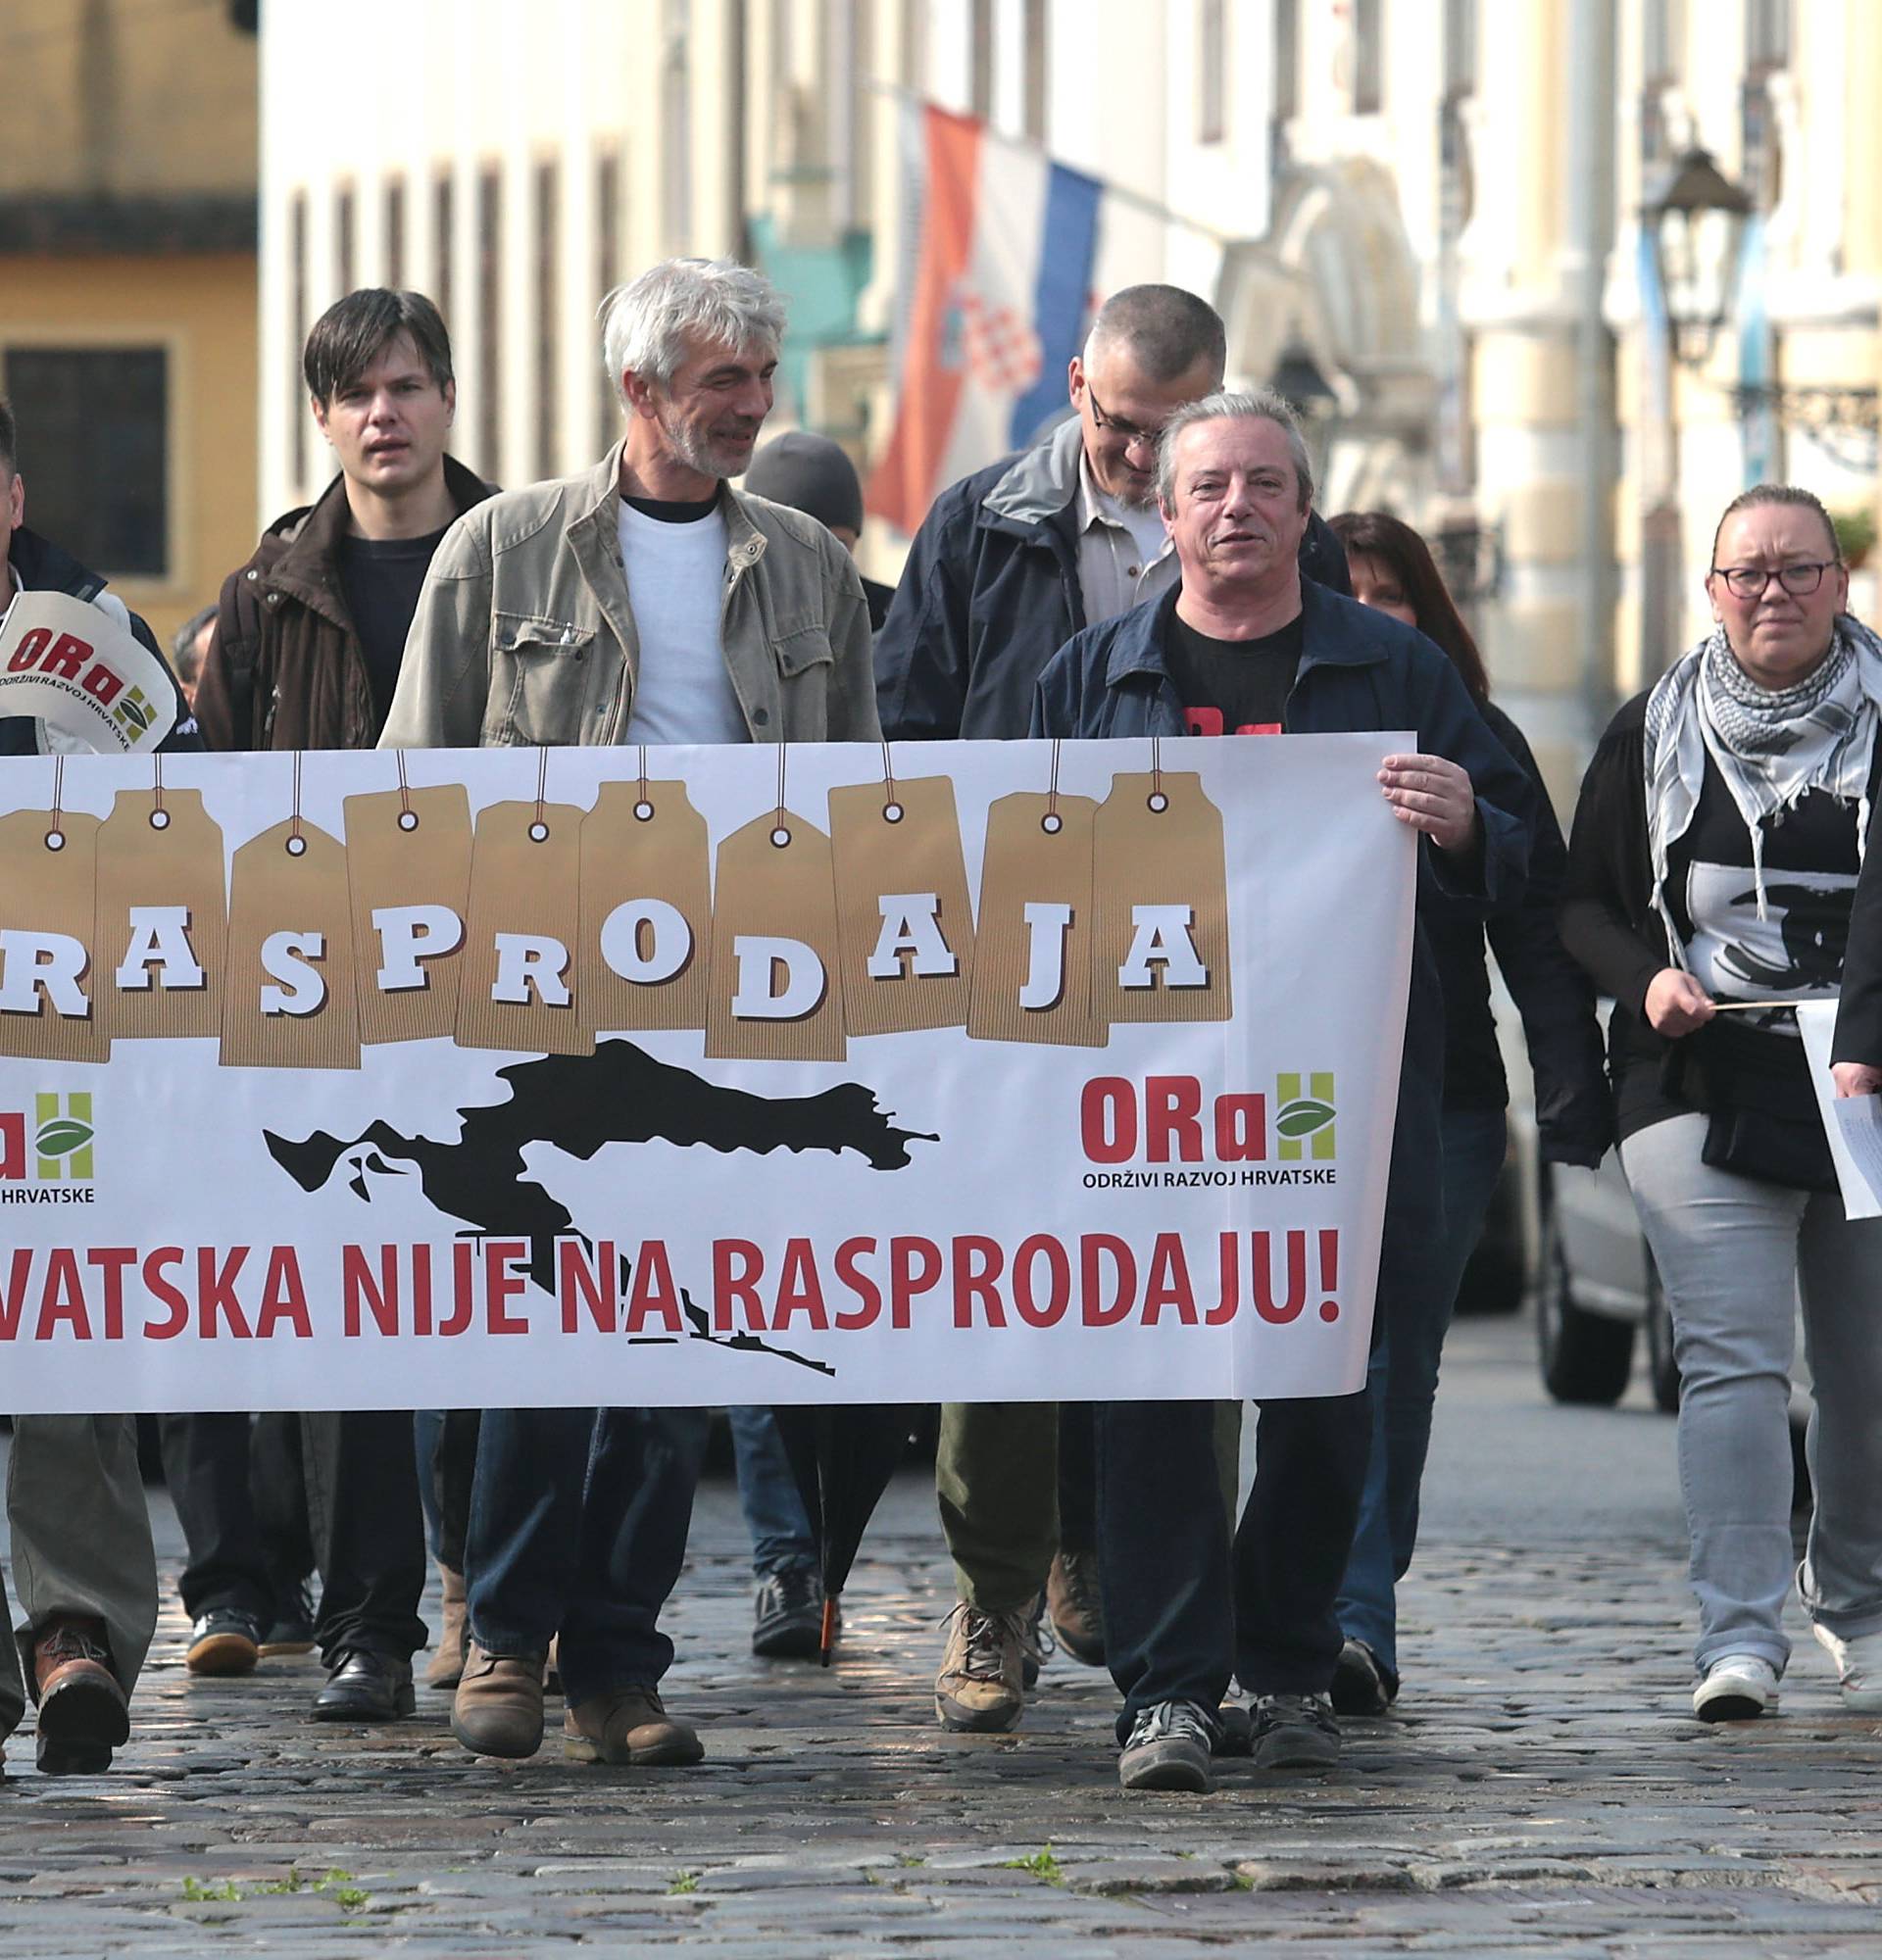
(1714, 856)
(1391, 569)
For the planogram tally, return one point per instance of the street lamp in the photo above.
(1695, 219)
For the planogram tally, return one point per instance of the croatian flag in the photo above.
(998, 302)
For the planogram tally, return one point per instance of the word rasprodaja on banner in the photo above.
(695, 1074)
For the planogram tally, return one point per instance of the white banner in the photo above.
(71, 665)
(972, 1071)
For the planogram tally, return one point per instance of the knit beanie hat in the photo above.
(810, 473)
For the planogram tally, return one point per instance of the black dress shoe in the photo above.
(365, 1686)
(788, 1621)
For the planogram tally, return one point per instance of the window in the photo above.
(444, 206)
(1461, 48)
(548, 289)
(1767, 35)
(607, 279)
(395, 232)
(1212, 72)
(297, 325)
(1287, 60)
(94, 440)
(344, 227)
(1369, 57)
(489, 317)
(980, 60)
(1036, 49)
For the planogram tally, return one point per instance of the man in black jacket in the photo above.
(1008, 565)
(81, 1547)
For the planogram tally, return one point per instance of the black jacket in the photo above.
(990, 591)
(1575, 1119)
(1858, 1020)
(1609, 925)
(44, 567)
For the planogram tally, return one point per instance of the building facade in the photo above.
(127, 287)
(1424, 217)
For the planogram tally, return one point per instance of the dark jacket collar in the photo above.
(307, 566)
(44, 567)
(1335, 631)
(1040, 484)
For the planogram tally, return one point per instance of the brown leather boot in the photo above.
(497, 1710)
(83, 1714)
(628, 1726)
(1076, 1608)
(446, 1668)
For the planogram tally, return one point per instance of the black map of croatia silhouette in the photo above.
(618, 1094)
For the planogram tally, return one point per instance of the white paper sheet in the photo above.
(1852, 1123)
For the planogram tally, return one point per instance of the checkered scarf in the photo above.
(1769, 745)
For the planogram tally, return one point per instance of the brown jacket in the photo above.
(286, 670)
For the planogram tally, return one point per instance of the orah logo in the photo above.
(54, 1144)
(1304, 1116)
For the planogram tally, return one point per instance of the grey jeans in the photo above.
(81, 1543)
(1736, 1257)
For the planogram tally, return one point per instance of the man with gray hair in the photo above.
(644, 600)
(1244, 646)
(1006, 568)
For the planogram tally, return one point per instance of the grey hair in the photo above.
(645, 325)
(1259, 405)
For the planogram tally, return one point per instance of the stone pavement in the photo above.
(1542, 1791)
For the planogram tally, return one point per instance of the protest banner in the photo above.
(1127, 1137)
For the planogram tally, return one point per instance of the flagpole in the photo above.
(1149, 206)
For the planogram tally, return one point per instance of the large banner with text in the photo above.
(969, 1071)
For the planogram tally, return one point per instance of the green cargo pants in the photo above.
(996, 1477)
(81, 1544)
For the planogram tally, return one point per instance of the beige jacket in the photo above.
(524, 634)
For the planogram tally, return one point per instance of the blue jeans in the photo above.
(1401, 1382)
(578, 1524)
(774, 1515)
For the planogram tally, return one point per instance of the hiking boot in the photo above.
(981, 1687)
(1736, 1688)
(1076, 1606)
(224, 1641)
(291, 1629)
(446, 1667)
(1363, 1683)
(84, 1713)
(1859, 1667)
(497, 1710)
(628, 1726)
(1295, 1732)
(1169, 1746)
(787, 1621)
(1039, 1644)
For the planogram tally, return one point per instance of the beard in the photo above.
(697, 449)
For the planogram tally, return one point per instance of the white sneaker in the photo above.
(1736, 1688)
(1859, 1667)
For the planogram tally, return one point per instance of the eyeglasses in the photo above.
(1128, 433)
(1750, 581)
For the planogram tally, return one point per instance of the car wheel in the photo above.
(1662, 1369)
(1586, 1357)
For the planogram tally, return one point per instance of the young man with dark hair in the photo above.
(312, 628)
(305, 655)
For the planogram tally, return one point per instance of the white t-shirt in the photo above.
(676, 585)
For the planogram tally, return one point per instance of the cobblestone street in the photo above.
(1542, 1788)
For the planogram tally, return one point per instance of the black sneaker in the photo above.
(1363, 1683)
(224, 1641)
(1295, 1732)
(1169, 1748)
(787, 1621)
(291, 1629)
